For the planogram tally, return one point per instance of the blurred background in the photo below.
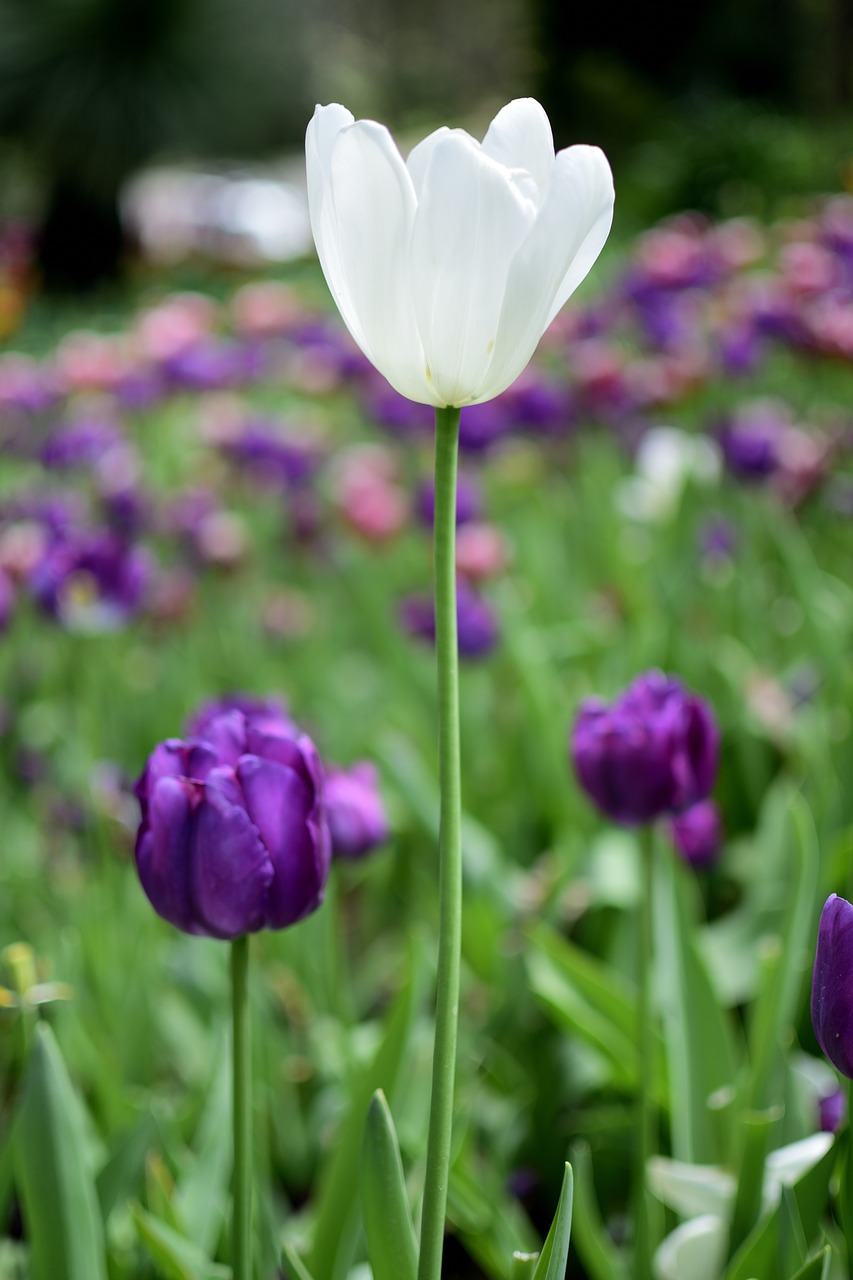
(728, 106)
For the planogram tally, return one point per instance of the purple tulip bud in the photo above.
(650, 754)
(264, 715)
(832, 984)
(233, 836)
(697, 833)
(357, 819)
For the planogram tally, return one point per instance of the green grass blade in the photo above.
(391, 1243)
(555, 1250)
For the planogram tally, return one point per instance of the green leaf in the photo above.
(176, 1257)
(817, 1268)
(201, 1194)
(523, 1266)
(555, 1250)
(775, 1008)
(758, 1255)
(337, 1220)
(391, 1243)
(698, 1038)
(124, 1172)
(756, 1128)
(296, 1268)
(583, 996)
(56, 1186)
(597, 1251)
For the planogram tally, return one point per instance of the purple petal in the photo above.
(162, 852)
(230, 869)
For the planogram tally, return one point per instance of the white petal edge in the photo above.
(569, 233)
(471, 219)
(691, 1189)
(320, 137)
(694, 1251)
(786, 1165)
(520, 137)
(372, 204)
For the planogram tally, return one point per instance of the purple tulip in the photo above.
(93, 580)
(264, 715)
(233, 836)
(652, 753)
(357, 819)
(750, 442)
(832, 984)
(697, 834)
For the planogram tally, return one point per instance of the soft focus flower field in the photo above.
(220, 496)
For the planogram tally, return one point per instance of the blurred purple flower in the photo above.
(270, 455)
(233, 836)
(832, 984)
(468, 502)
(263, 715)
(650, 754)
(477, 626)
(697, 833)
(357, 819)
(79, 444)
(213, 365)
(92, 580)
(482, 425)
(751, 438)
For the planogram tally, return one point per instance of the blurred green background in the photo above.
(729, 106)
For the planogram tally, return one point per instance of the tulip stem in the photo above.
(643, 1229)
(450, 850)
(241, 1228)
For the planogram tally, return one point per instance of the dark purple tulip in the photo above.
(750, 442)
(832, 1111)
(697, 833)
(652, 753)
(265, 715)
(357, 819)
(477, 628)
(233, 836)
(832, 984)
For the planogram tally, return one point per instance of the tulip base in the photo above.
(241, 1220)
(450, 850)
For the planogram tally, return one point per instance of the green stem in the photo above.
(645, 1102)
(450, 850)
(241, 1227)
(846, 1206)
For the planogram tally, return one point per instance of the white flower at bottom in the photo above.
(448, 267)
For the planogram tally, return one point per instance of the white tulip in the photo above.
(448, 267)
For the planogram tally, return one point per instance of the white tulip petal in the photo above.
(520, 138)
(470, 220)
(691, 1189)
(321, 135)
(373, 205)
(695, 1250)
(568, 235)
(785, 1166)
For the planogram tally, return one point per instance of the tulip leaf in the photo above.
(817, 1268)
(56, 1185)
(597, 1252)
(523, 1266)
(391, 1243)
(175, 1257)
(337, 1220)
(585, 997)
(756, 1128)
(698, 1038)
(555, 1250)
(758, 1255)
(201, 1195)
(124, 1172)
(296, 1268)
(776, 1005)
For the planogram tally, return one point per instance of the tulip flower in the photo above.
(357, 819)
(652, 753)
(832, 1006)
(448, 267)
(233, 835)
